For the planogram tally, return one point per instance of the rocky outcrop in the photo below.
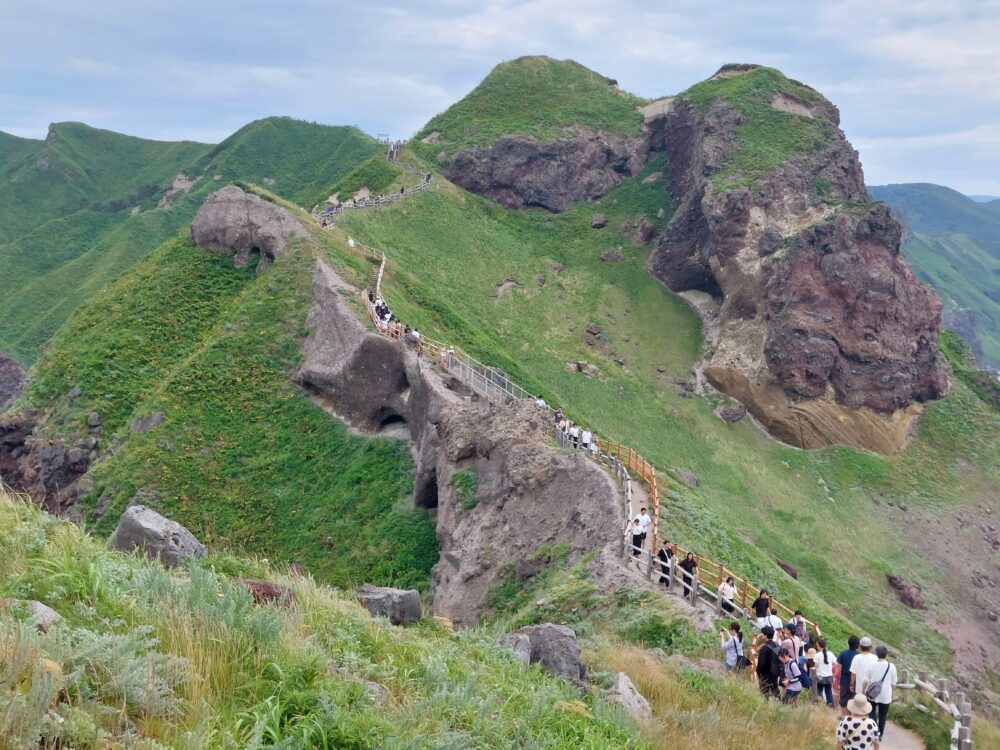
(520, 172)
(825, 334)
(160, 538)
(909, 593)
(624, 694)
(552, 646)
(528, 493)
(42, 615)
(268, 592)
(11, 380)
(243, 225)
(399, 606)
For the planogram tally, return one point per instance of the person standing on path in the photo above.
(792, 676)
(665, 555)
(585, 437)
(773, 620)
(636, 530)
(761, 606)
(644, 522)
(731, 642)
(856, 730)
(727, 592)
(824, 671)
(883, 674)
(861, 666)
(689, 565)
(769, 665)
(842, 671)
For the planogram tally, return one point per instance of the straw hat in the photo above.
(859, 705)
(811, 653)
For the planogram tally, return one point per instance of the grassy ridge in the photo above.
(758, 500)
(534, 96)
(243, 457)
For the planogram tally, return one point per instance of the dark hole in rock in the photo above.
(385, 417)
(427, 496)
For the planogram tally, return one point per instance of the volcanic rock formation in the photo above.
(11, 381)
(243, 225)
(826, 334)
(520, 172)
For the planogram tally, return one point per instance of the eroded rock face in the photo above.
(520, 172)
(11, 380)
(528, 493)
(825, 334)
(552, 646)
(159, 537)
(400, 606)
(242, 225)
(624, 694)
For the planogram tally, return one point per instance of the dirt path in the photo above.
(897, 738)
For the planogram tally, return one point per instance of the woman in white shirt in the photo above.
(824, 662)
(727, 592)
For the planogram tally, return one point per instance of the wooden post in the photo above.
(942, 688)
(694, 587)
(718, 605)
(649, 567)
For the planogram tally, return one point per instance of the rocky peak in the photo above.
(826, 335)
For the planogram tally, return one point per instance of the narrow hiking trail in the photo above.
(627, 465)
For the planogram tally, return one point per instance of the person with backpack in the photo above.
(843, 671)
(877, 687)
(824, 662)
(861, 665)
(732, 648)
(769, 666)
(857, 730)
(793, 677)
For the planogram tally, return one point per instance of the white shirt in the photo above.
(825, 670)
(775, 622)
(859, 668)
(574, 431)
(644, 521)
(874, 671)
(586, 436)
(727, 591)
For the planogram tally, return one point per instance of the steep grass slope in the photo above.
(759, 501)
(86, 205)
(534, 96)
(243, 458)
(954, 247)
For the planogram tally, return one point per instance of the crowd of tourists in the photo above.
(576, 436)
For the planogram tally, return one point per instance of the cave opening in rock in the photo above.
(427, 495)
(385, 417)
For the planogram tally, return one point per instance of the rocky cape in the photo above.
(825, 334)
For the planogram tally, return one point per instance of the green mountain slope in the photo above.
(533, 96)
(84, 206)
(954, 247)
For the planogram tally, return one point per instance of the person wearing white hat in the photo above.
(857, 730)
(861, 665)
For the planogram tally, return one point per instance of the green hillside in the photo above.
(954, 247)
(98, 206)
(759, 501)
(534, 96)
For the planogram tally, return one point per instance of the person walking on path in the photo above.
(877, 687)
(773, 620)
(824, 671)
(857, 730)
(665, 555)
(761, 607)
(636, 531)
(731, 642)
(842, 671)
(689, 565)
(727, 592)
(862, 665)
(769, 666)
(585, 437)
(574, 435)
(792, 679)
(644, 522)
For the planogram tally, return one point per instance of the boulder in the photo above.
(400, 606)
(241, 224)
(624, 694)
(689, 478)
(143, 528)
(599, 221)
(909, 593)
(93, 420)
(266, 592)
(43, 616)
(733, 413)
(148, 422)
(613, 256)
(790, 569)
(553, 646)
(708, 666)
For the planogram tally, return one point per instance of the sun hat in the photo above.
(866, 642)
(859, 705)
(811, 653)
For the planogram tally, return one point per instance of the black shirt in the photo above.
(760, 606)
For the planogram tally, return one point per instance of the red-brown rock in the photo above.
(268, 592)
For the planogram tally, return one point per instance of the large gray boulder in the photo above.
(145, 529)
(553, 646)
(399, 605)
(241, 224)
(624, 694)
(42, 615)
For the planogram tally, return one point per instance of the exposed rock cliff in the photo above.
(11, 381)
(528, 493)
(825, 333)
(243, 225)
(520, 172)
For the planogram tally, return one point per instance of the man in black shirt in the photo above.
(769, 666)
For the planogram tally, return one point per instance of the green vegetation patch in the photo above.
(534, 96)
(768, 137)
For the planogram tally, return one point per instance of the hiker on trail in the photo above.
(402, 189)
(789, 641)
(861, 665)
(665, 555)
(732, 647)
(761, 606)
(769, 666)
(824, 661)
(842, 671)
(792, 679)
(558, 416)
(689, 565)
(574, 435)
(801, 628)
(585, 437)
(857, 730)
(645, 522)
(773, 620)
(727, 592)
(636, 532)
(595, 448)
(877, 687)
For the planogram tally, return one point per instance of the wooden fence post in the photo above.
(649, 562)
(694, 587)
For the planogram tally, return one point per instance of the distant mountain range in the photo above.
(985, 198)
(953, 242)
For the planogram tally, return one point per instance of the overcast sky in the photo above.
(917, 81)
